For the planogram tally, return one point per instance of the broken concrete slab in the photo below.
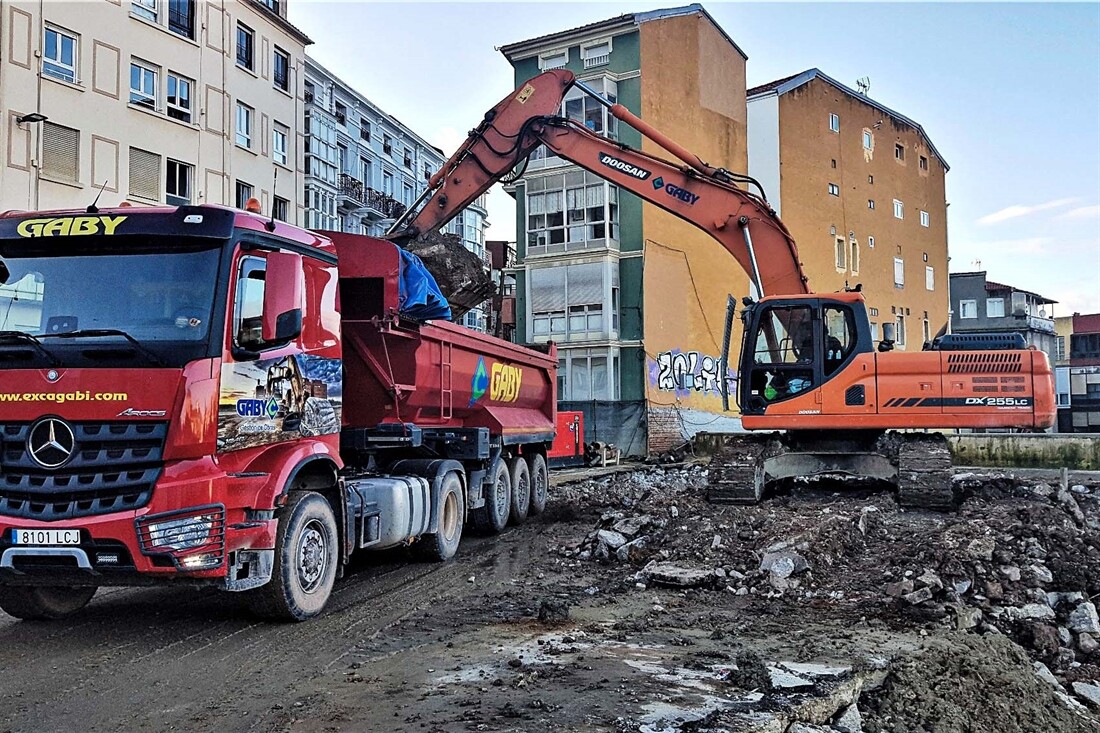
(784, 681)
(667, 573)
(1084, 619)
(632, 526)
(783, 564)
(817, 671)
(850, 721)
(612, 539)
(1090, 693)
(967, 617)
(1030, 612)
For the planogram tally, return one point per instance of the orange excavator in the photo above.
(808, 367)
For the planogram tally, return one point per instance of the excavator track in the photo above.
(924, 471)
(736, 474)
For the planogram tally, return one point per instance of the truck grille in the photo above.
(113, 467)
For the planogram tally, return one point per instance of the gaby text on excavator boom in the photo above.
(808, 363)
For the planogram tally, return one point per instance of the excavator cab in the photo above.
(792, 345)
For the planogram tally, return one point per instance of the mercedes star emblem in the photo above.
(51, 442)
(52, 375)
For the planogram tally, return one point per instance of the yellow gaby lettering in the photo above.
(110, 223)
(69, 226)
(30, 227)
(505, 383)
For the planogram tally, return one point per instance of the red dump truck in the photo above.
(203, 395)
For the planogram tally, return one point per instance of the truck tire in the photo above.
(520, 474)
(540, 483)
(443, 545)
(44, 603)
(306, 556)
(493, 517)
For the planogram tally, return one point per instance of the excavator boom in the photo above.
(703, 195)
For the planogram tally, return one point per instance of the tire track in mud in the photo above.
(176, 658)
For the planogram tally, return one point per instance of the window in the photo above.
(387, 144)
(144, 9)
(309, 92)
(280, 69)
(927, 331)
(874, 331)
(387, 183)
(871, 180)
(554, 60)
(244, 125)
(924, 218)
(280, 134)
(571, 212)
(582, 108)
(177, 187)
(871, 204)
(365, 172)
(341, 112)
(834, 162)
(870, 242)
(899, 151)
(244, 193)
(841, 261)
(899, 209)
(853, 256)
(364, 130)
(596, 54)
(59, 59)
(899, 339)
(181, 17)
(834, 190)
(144, 174)
(342, 152)
(245, 47)
(923, 163)
(929, 278)
(568, 301)
(1060, 348)
(179, 97)
(280, 208)
(427, 171)
(143, 84)
(407, 194)
(272, 5)
(588, 374)
(248, 310)
(408, 158)
(995, 308)
(968, 309)
(868, 139)
(834, 122)
(60, 152)
(874, 312)
(899, 272)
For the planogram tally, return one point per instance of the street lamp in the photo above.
(32, 117)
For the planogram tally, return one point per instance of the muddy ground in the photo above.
(816, 611)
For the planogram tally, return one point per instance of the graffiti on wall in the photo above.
(687, 372)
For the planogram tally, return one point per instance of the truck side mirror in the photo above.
(284, 292)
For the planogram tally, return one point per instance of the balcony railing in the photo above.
(354, 190)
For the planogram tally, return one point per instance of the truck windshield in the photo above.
(120, 306)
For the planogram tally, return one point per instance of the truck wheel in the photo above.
(493, 517)
(540, 483)
(520, 475)
(47, 602)
(305, 561)
(443, 544)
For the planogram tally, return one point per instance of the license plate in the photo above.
(47, 536)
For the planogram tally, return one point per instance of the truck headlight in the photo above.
(181, 534)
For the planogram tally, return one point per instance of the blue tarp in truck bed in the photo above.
(418, 294)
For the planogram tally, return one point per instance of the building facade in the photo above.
(633, 296)
(150, 102)
(364, 168)
(1084, 373)
(979, 305)
(861, 187)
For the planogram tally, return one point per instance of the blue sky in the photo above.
(1008, 92)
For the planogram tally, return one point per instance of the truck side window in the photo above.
(248, 316)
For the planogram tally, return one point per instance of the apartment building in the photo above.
(150, 102)
(980, 305)
(1084, 374)
(364, 168)
(633, 296)
(861, 188)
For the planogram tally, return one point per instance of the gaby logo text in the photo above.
(69, 226)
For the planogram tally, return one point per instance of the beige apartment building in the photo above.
(154, 101)
(861, 188)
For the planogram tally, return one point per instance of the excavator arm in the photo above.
(741, 221)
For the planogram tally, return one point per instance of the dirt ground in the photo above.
(632, 604)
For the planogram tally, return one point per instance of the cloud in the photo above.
(1013, 212)
(1081, 212)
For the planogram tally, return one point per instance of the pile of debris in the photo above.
(1019, 559)
(461, 275)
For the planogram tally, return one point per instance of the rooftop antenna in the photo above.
(270, 225)
(863, 84)
(92, 208)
